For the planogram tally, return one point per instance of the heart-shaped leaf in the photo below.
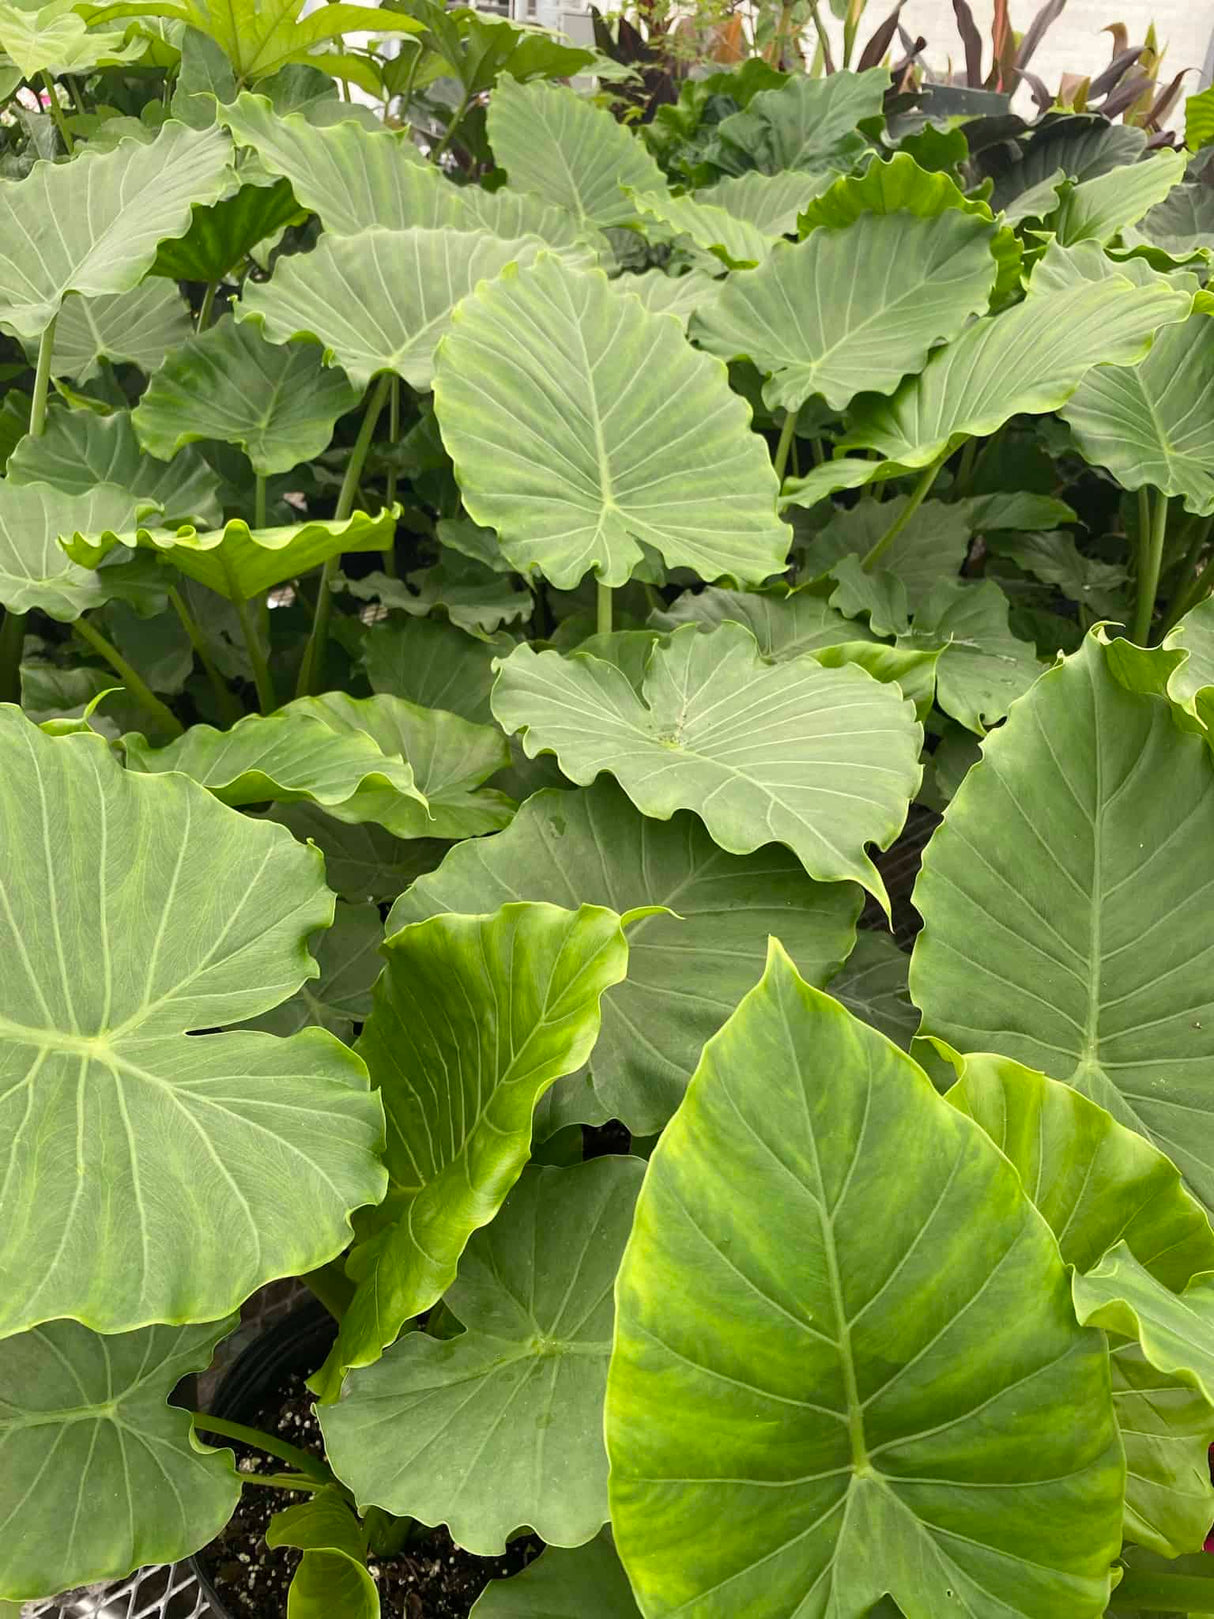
(236, 561)
(1029, 359)
(534, 1295)
(52, 39)
(379, 301)
(583, 427)
(79, 449)
(142, 326)
(691, 961)
(1140, 422)
(852, 310)
(97, 1050)
(1074, 941)
(357, 179)
(559, 146)
(92, 226)
(872, 984)
(451, 758)
(982, 668)
(101, 1474)
(1100, 207)
(735, 241)
(807, 123)
(766, 1292)
(277, 402)
(769, 202)
(33, 569)
(1167, 1429)
(755, 749)
(279, 758)
(474, 1018)
(434, 665)
(784, 623)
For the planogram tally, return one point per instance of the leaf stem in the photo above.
(331, 1286)
(207, 306)
(131, 679)
(602, 603)
(259, 501)
(228, 706)
(918, 493)
(52, 95)
(1148, 574)
(390, 496)
(406, 95)
(284, 1481)
(345, 505)
(787, 433)
(12, 644)
(1189, 591)
(267, 698)
(42, 380)
(452, 126)
(271, 1444)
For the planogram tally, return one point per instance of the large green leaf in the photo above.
(277, 402)
(807, 123)
(236, 561)
(101, 1475)
(260, 37)
(688, 968)
(1182, 224)
(851, 310)
(474, 1018)
(586, 1583)
(1064, 910)
(770, 202)
(79, 449)
(502, 1425)
(279, 758)
(357, 179)
(1098, 208)
(1031, 358)
(812, 1404)
(92, 226)
(583, 427)
(1095, 1182)
(381, 300)
(982, 667)
(162, 1192)
(898, 185)
(451, 758)
(141, 325)
(559, 146)
(1145, 423)
(1167, 1429)
(759, 751)
(222, 236)
(476, 598)
(332, 1576)
(432, 664)
(33, 569)
(784, 623)
(1175, 1330)
(52, 39)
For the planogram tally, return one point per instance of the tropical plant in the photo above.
(480, 599)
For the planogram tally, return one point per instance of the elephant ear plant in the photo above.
(484, 585)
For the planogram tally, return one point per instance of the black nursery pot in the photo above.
(295, 1345)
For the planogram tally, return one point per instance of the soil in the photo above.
(432, 1579)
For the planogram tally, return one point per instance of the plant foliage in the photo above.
(500, 581)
